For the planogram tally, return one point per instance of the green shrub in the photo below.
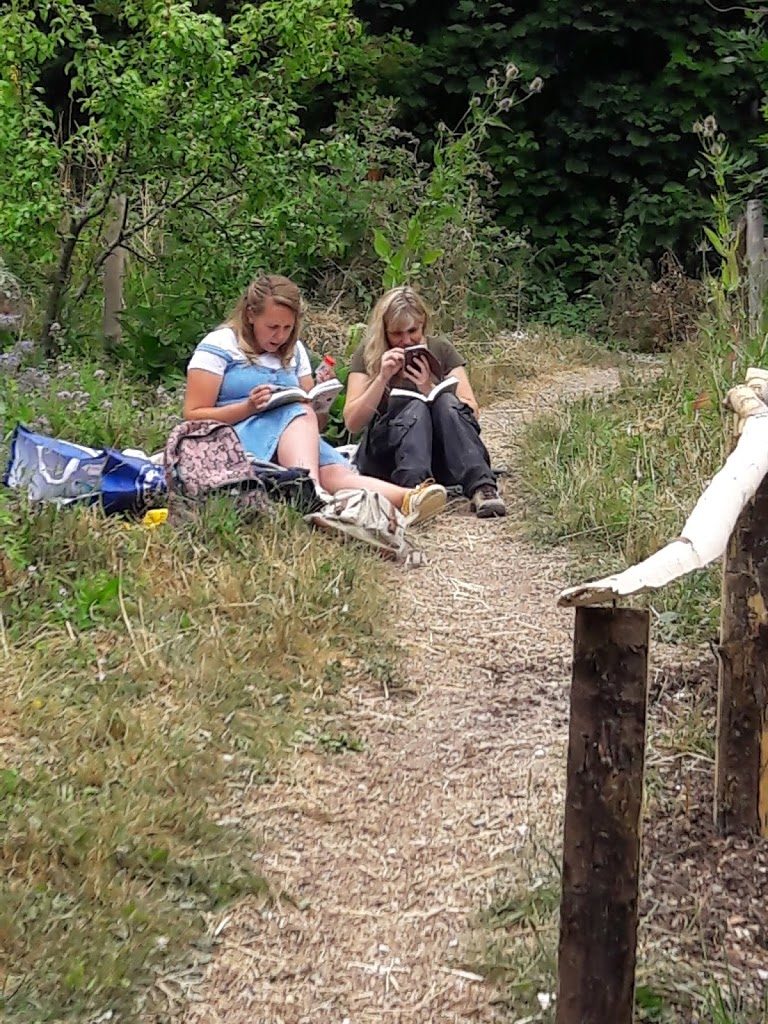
(608, 143)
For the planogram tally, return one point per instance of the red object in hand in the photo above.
(326, 370)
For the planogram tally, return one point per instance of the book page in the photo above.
(323, 395)
(285, 396)
(449, 384)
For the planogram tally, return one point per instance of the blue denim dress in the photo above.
(261, 432)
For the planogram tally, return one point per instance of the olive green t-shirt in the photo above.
(441, 348)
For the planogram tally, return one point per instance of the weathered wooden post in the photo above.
(741, 765)
(756, 264)
(114, 272)
(601, 847)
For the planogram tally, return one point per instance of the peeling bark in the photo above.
(741, 768)
(601, 846)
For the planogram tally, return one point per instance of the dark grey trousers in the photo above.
(415, 440)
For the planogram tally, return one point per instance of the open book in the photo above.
(320, 397)
(402, 394)
(416, 353)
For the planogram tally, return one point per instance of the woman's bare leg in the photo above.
(336, 477)
(299, 444)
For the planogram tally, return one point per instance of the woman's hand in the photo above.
(392, 363)
(258, 398)
(419, 373)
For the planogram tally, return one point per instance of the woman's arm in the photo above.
(464, 391)
(362, 401)
(364, 393)
(202, 391)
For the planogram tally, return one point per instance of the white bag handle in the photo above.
(49, 478)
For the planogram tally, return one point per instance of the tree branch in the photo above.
(121, 242)
(154, 217)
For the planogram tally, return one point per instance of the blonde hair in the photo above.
(254, 299)
(399, 306)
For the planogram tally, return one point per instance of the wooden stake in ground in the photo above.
(114, 272)
(601, 848)
(741, 767)
(756, 264)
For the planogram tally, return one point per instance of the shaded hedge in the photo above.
(609, 141)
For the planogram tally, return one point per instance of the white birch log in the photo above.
(705, 534)
(758, 380)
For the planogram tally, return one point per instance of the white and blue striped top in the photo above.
(219, 349)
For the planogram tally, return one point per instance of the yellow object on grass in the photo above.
(155, 517)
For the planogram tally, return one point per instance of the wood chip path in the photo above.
(386, 855)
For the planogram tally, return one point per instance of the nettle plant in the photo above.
(167, 114)
(451, 193)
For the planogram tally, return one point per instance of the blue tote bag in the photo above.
(50, 469)
(130, 483)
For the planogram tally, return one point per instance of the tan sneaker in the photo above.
(424, 501)
(487, 503)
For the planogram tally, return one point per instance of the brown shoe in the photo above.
(487, 503)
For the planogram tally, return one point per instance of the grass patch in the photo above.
(616, 478)
(518, 944)
(149, 679)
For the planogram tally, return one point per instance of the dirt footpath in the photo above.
(386, 855)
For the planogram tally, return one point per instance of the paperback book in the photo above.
(320, 397)
(403, 394)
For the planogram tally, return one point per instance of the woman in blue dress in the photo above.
(235, 369)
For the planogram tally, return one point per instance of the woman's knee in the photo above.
(412, 413)
(446, 402)
(335, 477)
(447, 408)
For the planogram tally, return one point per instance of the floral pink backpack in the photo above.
(205, 457)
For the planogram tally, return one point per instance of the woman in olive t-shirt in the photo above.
(414, 429)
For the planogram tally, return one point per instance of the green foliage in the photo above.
(609, 141)
(340, 743)
(179, 114)
(93, 403)
(457, 177)
(188, 117)
(336, 431)
(405, 263)
(616, 479)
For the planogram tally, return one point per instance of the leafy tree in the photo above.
(182, 115)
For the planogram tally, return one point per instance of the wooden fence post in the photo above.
(756, 264)
(601, 847)
(741, 764)
(114, 272)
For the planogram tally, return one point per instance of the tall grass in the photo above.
(616, 477)
(148, 680)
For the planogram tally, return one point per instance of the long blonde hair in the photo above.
(400, 306)
(254, 299)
